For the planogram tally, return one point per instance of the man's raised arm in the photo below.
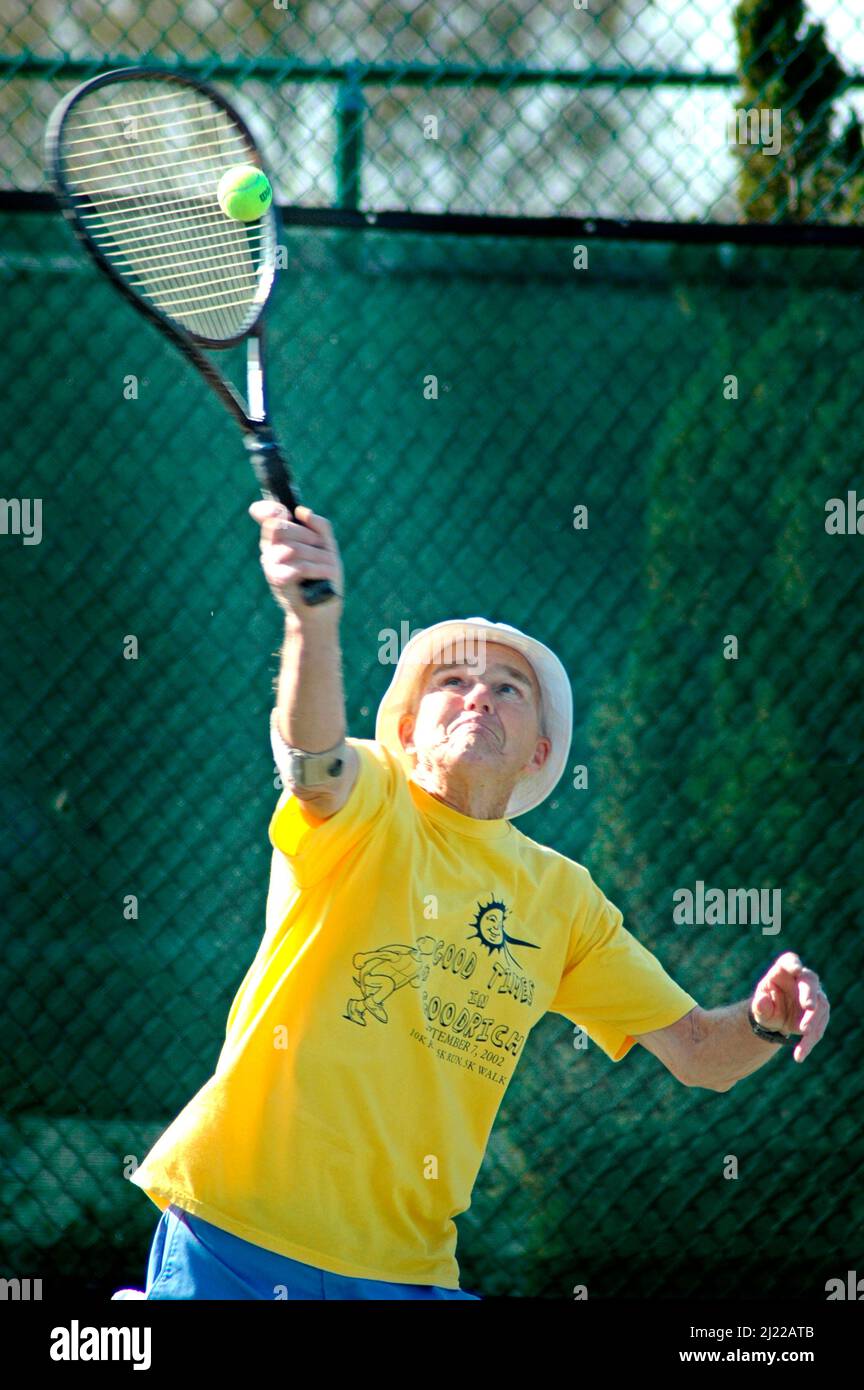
(310, 700)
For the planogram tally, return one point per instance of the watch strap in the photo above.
(768, 1034)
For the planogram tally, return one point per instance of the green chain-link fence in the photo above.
(153, 777)
(705, 404)
(618, 108)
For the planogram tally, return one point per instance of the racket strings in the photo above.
(225, 255)
(103, 164)
(153, 99)
(172, 209)
(165, 265)
(144, 172)
(175, 113)
(188, 293)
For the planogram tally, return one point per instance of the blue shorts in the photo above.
(189, 1258)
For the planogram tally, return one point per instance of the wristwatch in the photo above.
(305, 769)
(313, 769)
(767, 1034)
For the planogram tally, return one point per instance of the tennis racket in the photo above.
(134, 157)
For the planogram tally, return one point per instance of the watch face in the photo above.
(307, 768)
(297, 768)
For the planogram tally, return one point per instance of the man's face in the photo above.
(484, 713)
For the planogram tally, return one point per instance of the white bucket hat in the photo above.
(459, 640)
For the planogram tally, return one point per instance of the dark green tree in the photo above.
(786, 65)
(741, 772)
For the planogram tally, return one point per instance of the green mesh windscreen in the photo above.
(704, 404)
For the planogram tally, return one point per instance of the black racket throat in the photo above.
(135, 157)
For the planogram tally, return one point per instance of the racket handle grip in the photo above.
(273, 479)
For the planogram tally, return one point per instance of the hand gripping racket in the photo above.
(135, 157)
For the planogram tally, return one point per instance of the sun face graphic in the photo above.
(491, 924)
(488, 927)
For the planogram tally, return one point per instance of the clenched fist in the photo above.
(291, 552)
(790, 999)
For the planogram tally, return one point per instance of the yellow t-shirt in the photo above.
(409, 950)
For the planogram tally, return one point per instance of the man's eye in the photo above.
(504, 685)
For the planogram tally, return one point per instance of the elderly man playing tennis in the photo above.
(414, 937)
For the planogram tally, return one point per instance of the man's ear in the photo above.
(406, 729)
(547, 750)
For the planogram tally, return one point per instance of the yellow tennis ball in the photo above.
(244, 192)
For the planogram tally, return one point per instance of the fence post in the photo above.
(350, 107)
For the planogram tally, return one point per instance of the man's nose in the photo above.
(479, 698)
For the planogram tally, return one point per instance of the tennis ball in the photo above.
(244, 192)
